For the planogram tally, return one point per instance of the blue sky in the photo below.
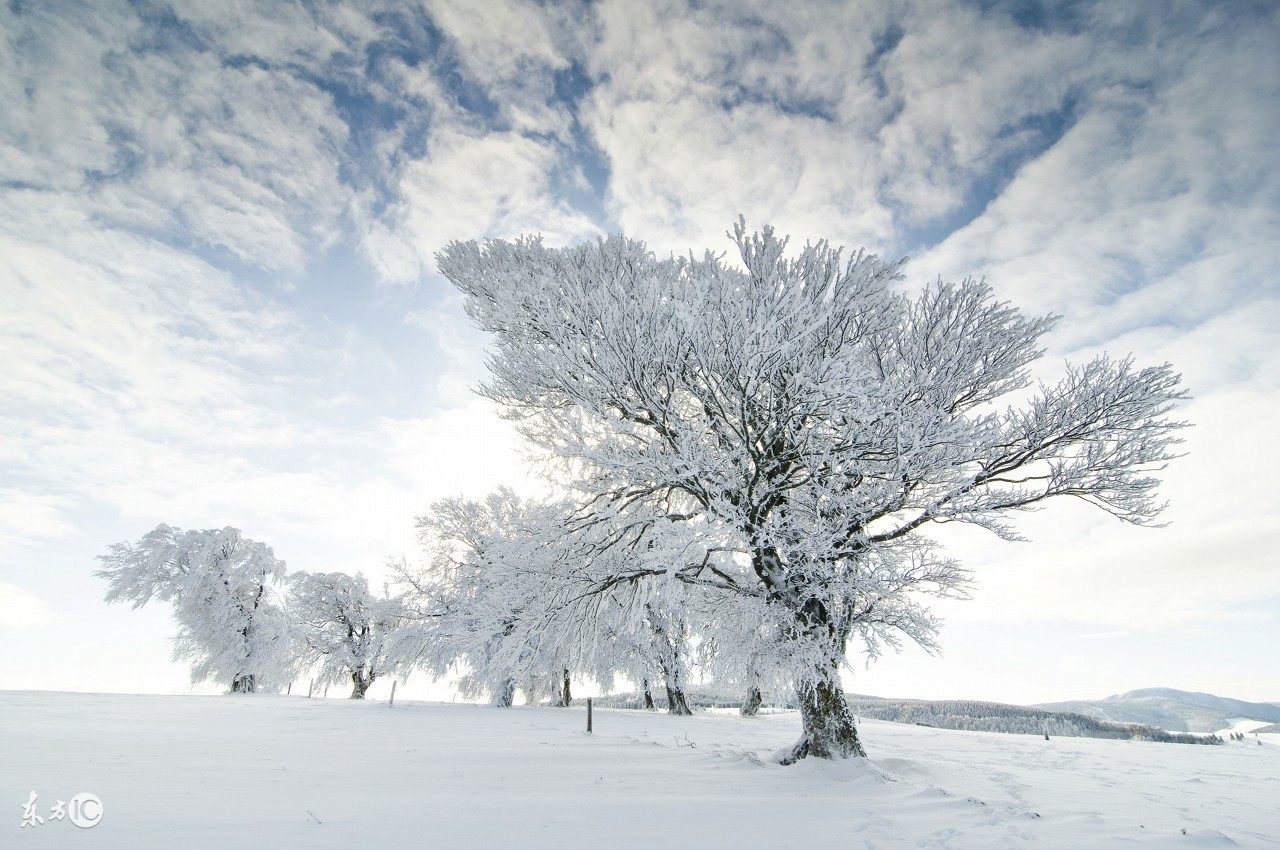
(218, 303)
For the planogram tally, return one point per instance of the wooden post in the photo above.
(393, 694)
(588, 715)
(288, 690)
(311, 686)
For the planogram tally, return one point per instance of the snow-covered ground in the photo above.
(273, 771)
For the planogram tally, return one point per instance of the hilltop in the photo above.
(1174, 710)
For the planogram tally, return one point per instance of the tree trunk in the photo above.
(648, 696)
(243, 684)
(751, 703)
(361, 684)
(560, 692)
(830, 731)
(668, 640)
(505, 694)
(676, 703)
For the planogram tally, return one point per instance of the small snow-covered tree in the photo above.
(224, 590)
(806, 425)
(510, 599)
(670, 650)
(476, 599)
(343, 627)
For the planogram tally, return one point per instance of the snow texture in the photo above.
(262, 771)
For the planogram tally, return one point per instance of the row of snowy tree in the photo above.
(243, 622)
(747, 459)
(466, 610)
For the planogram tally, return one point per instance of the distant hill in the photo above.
(1166, 708)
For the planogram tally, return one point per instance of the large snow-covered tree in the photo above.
(804, 424)
(343, 627)
(224, 589)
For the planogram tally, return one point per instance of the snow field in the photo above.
(274, 771)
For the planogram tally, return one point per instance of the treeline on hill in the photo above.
(999, 717)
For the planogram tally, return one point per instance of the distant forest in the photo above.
(965, 715)
(998, 717)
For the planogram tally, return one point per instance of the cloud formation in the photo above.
(217, 230)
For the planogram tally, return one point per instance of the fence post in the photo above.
(311, 686)
(393, 694)
(588, 715)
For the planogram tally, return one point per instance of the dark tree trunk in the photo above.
(676, 703)
(243, 684)
(361, 683)
(648, 696)
(564, 697)
(505, 695)
(751, 703)
(830, 731)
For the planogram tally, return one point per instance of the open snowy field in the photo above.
(272, 771)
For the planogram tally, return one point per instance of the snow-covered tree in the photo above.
(669, 633)
(343, 627)
(224, 590)
(508, 598)
(477, 600)
(657, 649)
(804, 424)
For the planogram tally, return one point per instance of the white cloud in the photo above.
(476, 186)
(967, 83)
(512, 49)
(155, 135)
(689, 120)
(496, 38)
(20, 609)
(29, 517)
(1161, 172)
(392, 257)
